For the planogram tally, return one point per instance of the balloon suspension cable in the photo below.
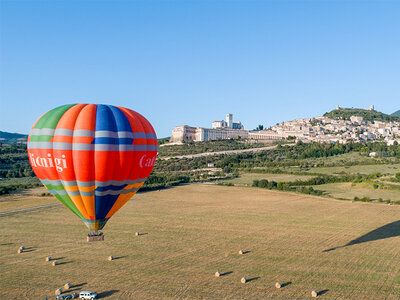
(95, 233)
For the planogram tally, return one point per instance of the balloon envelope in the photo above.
(92, 157)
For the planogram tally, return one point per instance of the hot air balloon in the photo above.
(92, 157)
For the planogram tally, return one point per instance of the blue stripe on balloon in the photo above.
(110, 187)
(104, 204)
(121, 120)
(109, 118)
(105, 140)
(105, 118)
(113, 141)
(125, 141)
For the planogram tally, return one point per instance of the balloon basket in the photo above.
(95, 237)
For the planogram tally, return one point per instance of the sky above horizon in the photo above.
(192, 62)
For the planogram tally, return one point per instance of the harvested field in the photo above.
(25, 199)
(247, 178)
(348, 190)
(348, 250)
(388, 169)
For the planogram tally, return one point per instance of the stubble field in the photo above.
(344, 250)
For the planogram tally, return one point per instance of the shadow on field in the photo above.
(76, 287)
(322, 292)
(226, 273)
(252, 279)
(144, 233)
(6, 244)
(119, 257)
(106, 294)
(57, 258)
(29, 249)
(384, 232)
(285, 284)
(64, 262)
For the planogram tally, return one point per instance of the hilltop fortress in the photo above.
(319, 129)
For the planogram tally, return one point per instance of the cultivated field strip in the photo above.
(192, 231)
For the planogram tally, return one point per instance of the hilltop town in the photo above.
(334, 127)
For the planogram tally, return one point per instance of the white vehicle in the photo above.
(87, 295)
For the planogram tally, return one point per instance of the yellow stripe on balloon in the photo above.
(121, 200)
(80, 205)
(89, 203)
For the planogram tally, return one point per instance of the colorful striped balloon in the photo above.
(92, 157)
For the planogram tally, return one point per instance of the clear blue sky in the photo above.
(191, 62)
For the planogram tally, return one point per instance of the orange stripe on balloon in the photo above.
(135, 123)
(84, 166)
(145, 124)
(62, 139)
(87, 118)
(83, 139)
(68, 119)
(89, 203)
(145, 142)
(80, 205)
(121, 201)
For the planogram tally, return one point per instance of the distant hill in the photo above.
(396, 114)
(8, 137)
(368, 115)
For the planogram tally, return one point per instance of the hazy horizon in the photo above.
(209, 126)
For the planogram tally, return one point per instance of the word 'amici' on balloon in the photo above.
(147, 162)
(49, 162)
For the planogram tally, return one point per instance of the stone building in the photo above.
(228, 124)
(221, 130)
(224, 129)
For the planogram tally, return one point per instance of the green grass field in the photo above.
(247, 178)
(389, 169)
(25, 198)
(349, 158)
(348, 250)
(347, 190)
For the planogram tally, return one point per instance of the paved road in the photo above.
(27, 209)
(222, 152)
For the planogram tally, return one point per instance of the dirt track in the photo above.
(221, 152)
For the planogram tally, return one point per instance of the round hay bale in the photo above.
(314, 294)
(22, 247)
(217, 274)
(58, 291)
(243, 280)
(67, 286)
(48, 258)
(137, 233)
(241, 252)
(110, 258)
(278, 285)
(55, 263)
(20, 250)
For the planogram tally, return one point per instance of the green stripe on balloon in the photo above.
(66, 200)
(41, 138)
(55, 187)
(51, 118)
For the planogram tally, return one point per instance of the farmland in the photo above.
(344, 249)
(347, 190)
(247, 178)
(389, 169)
